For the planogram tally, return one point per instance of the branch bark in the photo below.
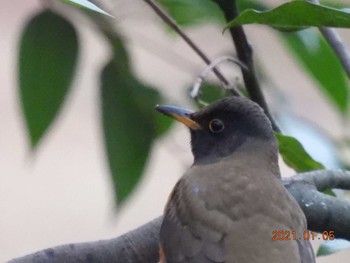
(323, 212)
(245, 54)
(139, 245)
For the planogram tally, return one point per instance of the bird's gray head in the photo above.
(224, 126)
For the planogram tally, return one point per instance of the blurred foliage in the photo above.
(47, 59)
(129, 124)
(190, 13)
(319, 60)
(294, 15)
(332, 246)
(209, 93)
(194, 12)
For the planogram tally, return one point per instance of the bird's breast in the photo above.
(226, 197)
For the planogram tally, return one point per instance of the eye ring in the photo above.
(216, 126)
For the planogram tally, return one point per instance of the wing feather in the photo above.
(306, 252)
(182, 242)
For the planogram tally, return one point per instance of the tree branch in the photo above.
(245, 54)
(323, 179)
(139, 245)
(170, 22)
(323, 212)
(336, 43)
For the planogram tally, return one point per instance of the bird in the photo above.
(228, 204)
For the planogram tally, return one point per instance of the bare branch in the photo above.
(169, 21)
(323, 212)
(245, 54)
(324, 179)
(336, 43)
(139, 245)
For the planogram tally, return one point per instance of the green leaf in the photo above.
(130, 123)
(295, 156)
(189, 13)
(47, 60)
(332, 246)
(194, 12)
(250, 4)
(295, 14)
(87, 5)
(319, 60)
(162, 125)
(329, 192)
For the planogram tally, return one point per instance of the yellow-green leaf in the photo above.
(295, 156)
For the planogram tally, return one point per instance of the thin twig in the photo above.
(169, 21)
(245, 54)
(337, 44)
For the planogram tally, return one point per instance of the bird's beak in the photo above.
(179, 114)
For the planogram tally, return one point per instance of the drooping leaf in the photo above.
(295, 156)
(295, 14)
(319, 60)
(87, 5)
(332, 246)
(47, 60)
(130, 122)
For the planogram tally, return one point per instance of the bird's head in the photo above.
(223, 127)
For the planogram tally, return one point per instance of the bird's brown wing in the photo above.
(182, 242)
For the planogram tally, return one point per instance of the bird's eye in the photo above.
(216, 126)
